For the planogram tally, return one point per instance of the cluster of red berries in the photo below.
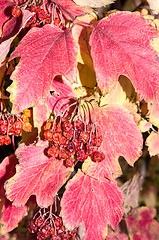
(50, 226)
(43, 15)
(13, 125)
(73, 140)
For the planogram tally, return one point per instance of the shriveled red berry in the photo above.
(48, 135)
(56, 22)
(63, 155)
(58, 222)
(39, 221)
(53, 152)
(69, 162)
(46, 231)
(32, 227)
(16, 12)
(7, 140)
(89, 149)
(61, 229)
(67, 126)
(98, 156)
(77, 144)
(59, 139)
(84, 137)
(47, 126)
(69, 134)
(58, 128)
(52, 231)
(70, 149)
(40, 236)
(79, 125)
(81, 155)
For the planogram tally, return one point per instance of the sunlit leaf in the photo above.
(120, 44)
(45, 52)
(37, 175)
(93, 203)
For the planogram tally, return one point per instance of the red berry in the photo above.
(27, 127)
(70, 148)
(77, 144)
(84, 137)
(69, 162)
(98, 156)
(67, 126)
(17, 125)
(79, 125)
(61, 229)
(69, 134)
(81, 155)
(32, 227)
(46, 231)
(89, 149)
(39, 221)
(3, 129)
(59, 139)
(1, 140)
(40, 236)
(63, 155)
(7, 140)
(52, 231)
(16, 12)
(53, 152)
(48, 135)
(58, 222)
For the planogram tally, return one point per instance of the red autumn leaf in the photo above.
(71, 7)
(93, 203)
(5, 45)
(37, 175)
(141, 224)
(10, 215)
(121, 137)
(120, 44)
(153, 143)
(154, 111)
(61, 89)
(5, 12)
(45, 52)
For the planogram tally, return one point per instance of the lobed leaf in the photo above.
(45, 53)
(92, 203)
(120, 44)
(37, 175)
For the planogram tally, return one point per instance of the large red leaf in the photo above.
(121, 137)
(45, 52)
(61, 90)
(10, 215)
(5, 12)
(36, 175)
(93, 203)
(120, 44)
